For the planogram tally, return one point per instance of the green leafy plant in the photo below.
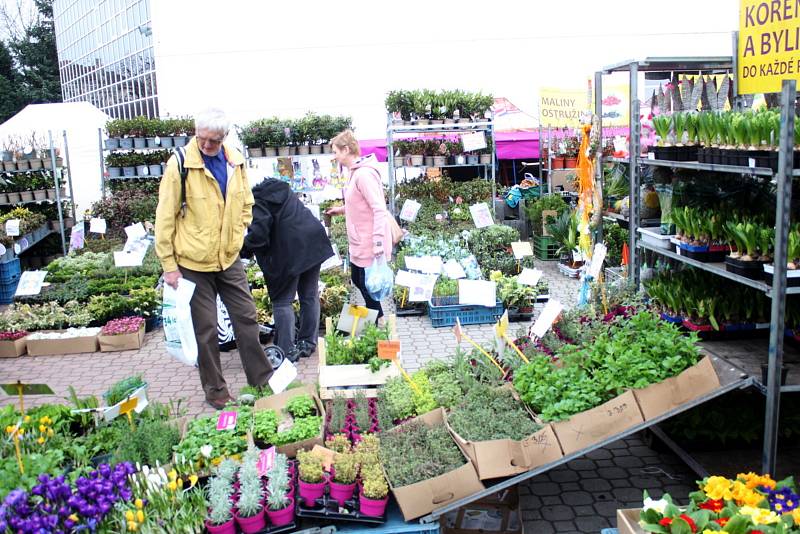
(301, 406)
(357, 351)
(265, 425)
(310, 466)
(488, 413)
(414, 452)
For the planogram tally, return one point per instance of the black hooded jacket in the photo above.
(285, 236)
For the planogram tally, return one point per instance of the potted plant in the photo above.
(12, 343)
(280, 501)
(374, 494)
(753, 243)
(485, 157)
(662, 124)
(343, 481)
(516, 297)
(249, 513)
(416, 150)
(311, 479)
(441, 153)
(565, 232)
(220, 517)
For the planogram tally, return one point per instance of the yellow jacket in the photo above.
(209, 237)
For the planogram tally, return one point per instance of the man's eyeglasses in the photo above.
(209, 141)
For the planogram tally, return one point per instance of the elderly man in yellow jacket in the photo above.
(200, 241)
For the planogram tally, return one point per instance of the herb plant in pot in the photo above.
(249, 512)
(220, 518)
(311, 479)
(280, 503)
(343, 482)
(374, 491)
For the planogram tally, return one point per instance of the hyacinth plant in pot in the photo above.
(249, 511)
(280, 498)
(311, 477)
(220, 516)
(343, 481)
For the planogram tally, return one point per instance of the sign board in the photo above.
(422, 289)
(521, 249)
(478, 292)
(410, 210)
(265, 460)
(12, 227)
(282, 377)
(481, 215)
(227, 420)
(30, 283)
(529, 277)
(546, 319)
(561, 107)
(768, 45)
(473, 141)
(97, 225)
(388, 350)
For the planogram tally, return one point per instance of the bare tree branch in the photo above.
(16, 18)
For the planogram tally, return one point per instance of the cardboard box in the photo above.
(122, 341)
(590, 426)
(506, 457)
(75, 345)
(13, 349)
(698, 380)
(628, 521)
(278, 403)
(500, 512)
(424, 497)
(564, 178)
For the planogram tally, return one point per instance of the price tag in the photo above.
(404, 278)
(598, 257)
(97, 225)
(478, 292)
(521, 249)
(751, 162)
(473, 141)
(127, 259)
(454, 270)
(529, 277)
(422, 289)
(12, 227)
(128, 406)
(388, 350)
(651, 155)
(265, 461)
(410, 210)
(30, 283)
(546, 319)
(481, 216)
(328, 456)
(358, 311)
(282, 377)
(227, 420)
(577, 255)
(135, 231)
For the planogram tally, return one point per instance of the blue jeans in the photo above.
(306, 287)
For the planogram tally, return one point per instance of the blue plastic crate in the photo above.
(444, 310)
(10, 271)
(7, 291)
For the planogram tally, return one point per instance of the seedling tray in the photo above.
(413, 311)
(328, 509)
(753, 270)
(291, 527)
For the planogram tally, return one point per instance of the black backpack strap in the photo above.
(180, 156)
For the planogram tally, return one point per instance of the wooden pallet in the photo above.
(339, 380)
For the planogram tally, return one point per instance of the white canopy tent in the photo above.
(81, 121)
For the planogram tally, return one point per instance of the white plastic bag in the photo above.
(379, 279)
(178, 328)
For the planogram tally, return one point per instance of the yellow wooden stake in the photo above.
(130, 421)
(17, 451)
(405, 375)
(483, 352)
(403, 298)
(21, 399)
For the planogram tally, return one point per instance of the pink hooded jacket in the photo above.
(365, 214)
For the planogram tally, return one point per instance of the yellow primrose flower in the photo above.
(172, 486)
(139, 504)
(717, 488)
(760, 516)
(179, 482)
(216, 461)
(192, 480)
(20, 431)
(27, 419)
(796, 516)
(172, 474)
(73, 517)
(42, 429)
(9, 429)
(745, 496)
(129, 515)
(753, 480)
(50, 432)
(132, 526)
(140, 516)
(40, 441)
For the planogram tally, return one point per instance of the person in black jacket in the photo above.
(290, 244)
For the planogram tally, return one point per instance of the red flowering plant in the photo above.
(12, 335)
(748, 504)
(123, 325)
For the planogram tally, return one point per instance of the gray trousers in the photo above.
(231, 284)
(306, 288)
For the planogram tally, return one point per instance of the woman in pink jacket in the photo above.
(368, 232)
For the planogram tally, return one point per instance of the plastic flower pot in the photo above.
(372, 507)
(253, 524)
(342, 492)
(279, 518)
(310, 492)
(225, 528)
(290, 489)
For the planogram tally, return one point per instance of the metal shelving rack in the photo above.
(783, 178)
(392, 129)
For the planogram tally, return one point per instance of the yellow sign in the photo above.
(769, 45)
(358, 311)
(561, 107)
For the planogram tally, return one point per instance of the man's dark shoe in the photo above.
(293, 355)
(306, 349)
(219, 404)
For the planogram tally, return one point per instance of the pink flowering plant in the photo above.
(11, 335)
(123, 325)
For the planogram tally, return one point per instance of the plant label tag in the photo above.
(12, 227)
(502, 325)
(478, 292)
(127, 259)
(266, 459)
(422, 290)
(328, 456)
(454, 270)
(546, 319)
(415, 263)
(404, 278)
(651, 155)
(128, 405)
(388, 350)
(314, 209)
(457, 331)
(473, 141)
(521, 249)
(135, 231)
(97, 225)
(227, 420)
(410, 210)
(333, 261)
(529, 277)
(431, 264)
(481, 215)
(751, 162)
(598, 257)
(282, 377)
(577, 255)
(30, 283)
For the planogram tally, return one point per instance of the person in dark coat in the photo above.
(290, 244)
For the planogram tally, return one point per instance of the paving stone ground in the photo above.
(581, 497)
